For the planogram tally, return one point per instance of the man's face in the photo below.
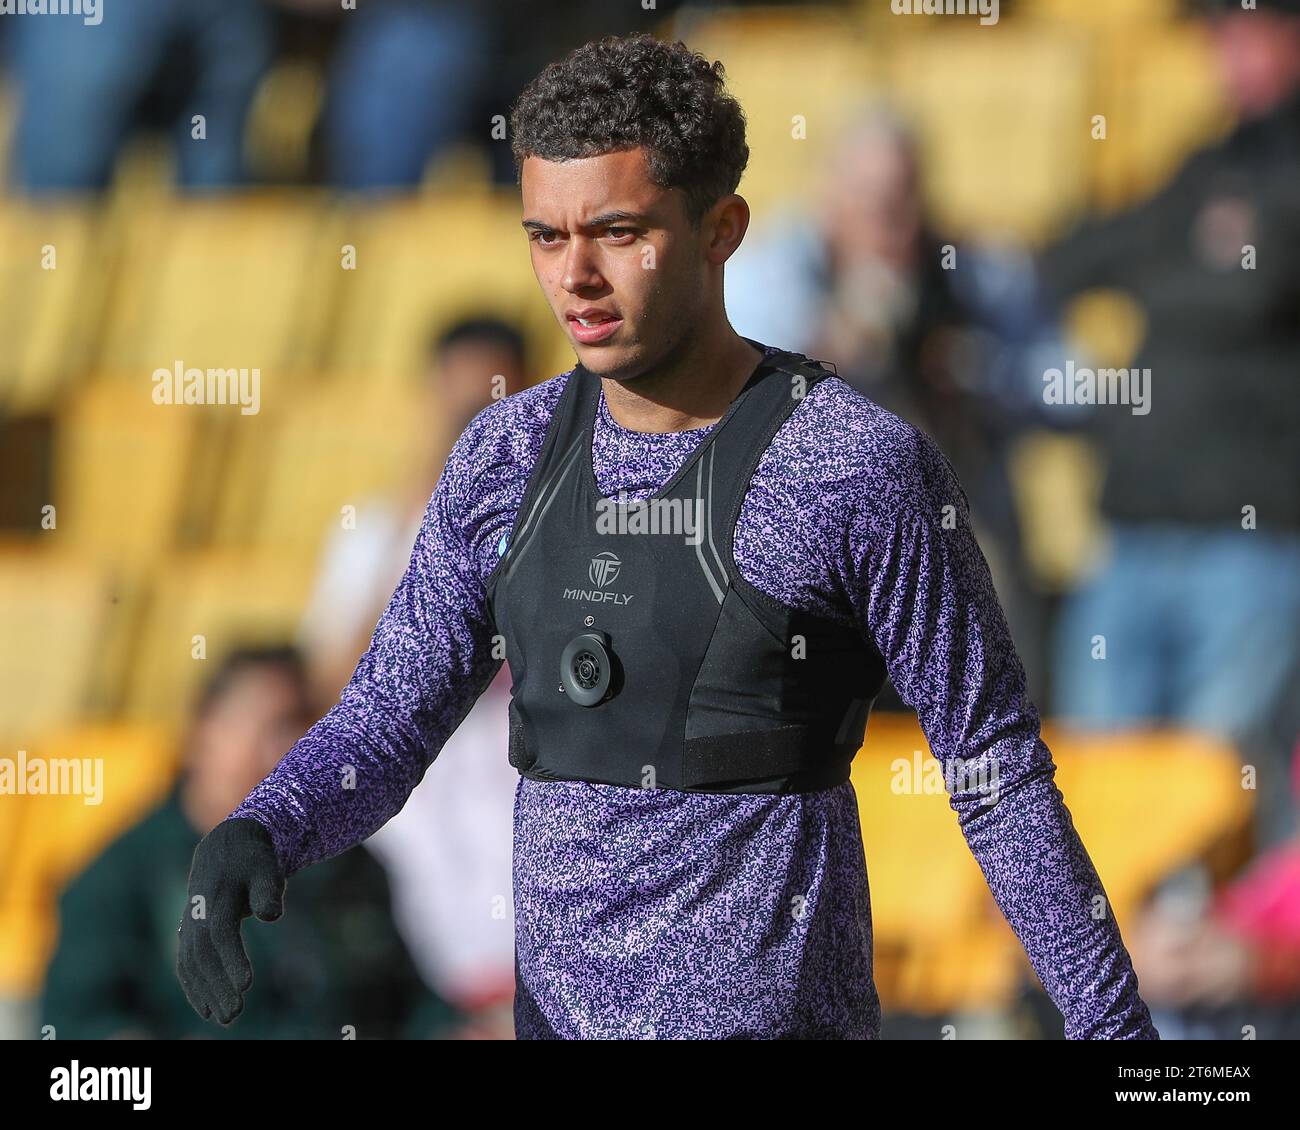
(1257, 53)
(873, 203)
(613, 248)
(245, 732)
(464, 379)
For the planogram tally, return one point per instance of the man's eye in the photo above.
(543, 237)
(619, 232)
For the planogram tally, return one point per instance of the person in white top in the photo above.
(448, 852)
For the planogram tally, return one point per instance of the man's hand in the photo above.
(235, 873)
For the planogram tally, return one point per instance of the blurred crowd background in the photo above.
(945, 210)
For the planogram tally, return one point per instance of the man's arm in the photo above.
(428, 661)
(921, 589)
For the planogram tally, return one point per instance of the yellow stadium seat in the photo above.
(205, 604)
(243, 282)
(941, 940)
(1004, 122)
(422, 263)
(122, 473)
(1147, 802)
(793, 114)
(26, 896)
(356, 438)
(54, 269)
(916, 857)
(1109, 324)
(284, 113)
(52, 606)
(938, 944)
(47, 840)
(1158, 88)
(1057, 481)
(1118, 14)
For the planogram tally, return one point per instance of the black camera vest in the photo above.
(643, 658)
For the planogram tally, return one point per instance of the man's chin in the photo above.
(613, 363)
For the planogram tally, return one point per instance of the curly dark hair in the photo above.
(618, 93)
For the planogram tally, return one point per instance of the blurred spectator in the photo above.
(410, 77)
(935, 334)
(1198, 592)
(1210, 964)
(449, 850)
(334, 959)
(534, 33)
(470, 364)
(403, 82)
(82, 88)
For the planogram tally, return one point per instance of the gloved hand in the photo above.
(234, 873)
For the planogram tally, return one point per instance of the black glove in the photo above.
(235, 873)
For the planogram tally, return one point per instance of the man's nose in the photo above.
(580, 270)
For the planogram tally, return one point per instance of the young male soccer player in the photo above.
(689, 686)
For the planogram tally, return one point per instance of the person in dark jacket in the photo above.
(1196, 600)
(334, 967)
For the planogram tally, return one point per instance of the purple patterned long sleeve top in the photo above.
(658, 913)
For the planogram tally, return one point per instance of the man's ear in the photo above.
(725, 226)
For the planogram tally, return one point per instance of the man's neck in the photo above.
(692, 390)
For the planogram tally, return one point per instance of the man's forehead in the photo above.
(588, 186)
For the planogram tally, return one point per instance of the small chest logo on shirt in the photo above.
(603, 570)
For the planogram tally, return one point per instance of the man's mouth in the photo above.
(593, 326)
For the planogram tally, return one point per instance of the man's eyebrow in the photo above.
(603, 220)
(607, 218)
